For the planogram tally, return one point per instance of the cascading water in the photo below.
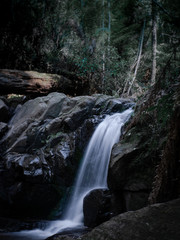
(91, 175)
(94, 169)
(93, 172)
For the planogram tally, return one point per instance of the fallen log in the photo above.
(36, 84)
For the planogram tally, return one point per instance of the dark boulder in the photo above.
(146, 159)
(130, 187)
(155, 222)
(121, 157)
(97, 207)
(3, 128)
(159, 221)
(4, 112)
(42, 147)
(26, 186)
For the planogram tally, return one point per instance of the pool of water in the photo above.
(12, 236)
(38, 234)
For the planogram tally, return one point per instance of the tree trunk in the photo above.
(103, 54)
(154, 42)
(36, 84)
(139, 58)
(109, 28)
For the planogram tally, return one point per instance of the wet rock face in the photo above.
(3, 128)
(130, 177)
(159, 221)
(41, 147)
(4, 114)
(131, 170)
(97, 207)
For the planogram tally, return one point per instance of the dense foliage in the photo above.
(107, 41)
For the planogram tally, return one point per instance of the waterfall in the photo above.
(92, 173)
(94, 169)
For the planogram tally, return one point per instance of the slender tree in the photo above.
(154, 41)
(109, 21)
(139, 57)
(103, 55)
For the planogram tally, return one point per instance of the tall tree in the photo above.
(138, 58)
(154, 41)
(109, 21)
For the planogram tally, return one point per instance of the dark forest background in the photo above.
(121, 47)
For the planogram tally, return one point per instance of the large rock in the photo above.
(4, 112)
(130, 185)
(132, 168)
(121, 157)
(160, 221)
(155, 222)
(25, 183)
(29, 116)
(41, 150)
(146, 159)
(97, 207)
(3, 128)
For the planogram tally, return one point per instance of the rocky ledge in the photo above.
(41, 146)
(155, 222)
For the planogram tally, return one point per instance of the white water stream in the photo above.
(91, 175)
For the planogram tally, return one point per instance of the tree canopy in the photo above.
(110, 42)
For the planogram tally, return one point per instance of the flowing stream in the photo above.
(92, 174)
(94, 169)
